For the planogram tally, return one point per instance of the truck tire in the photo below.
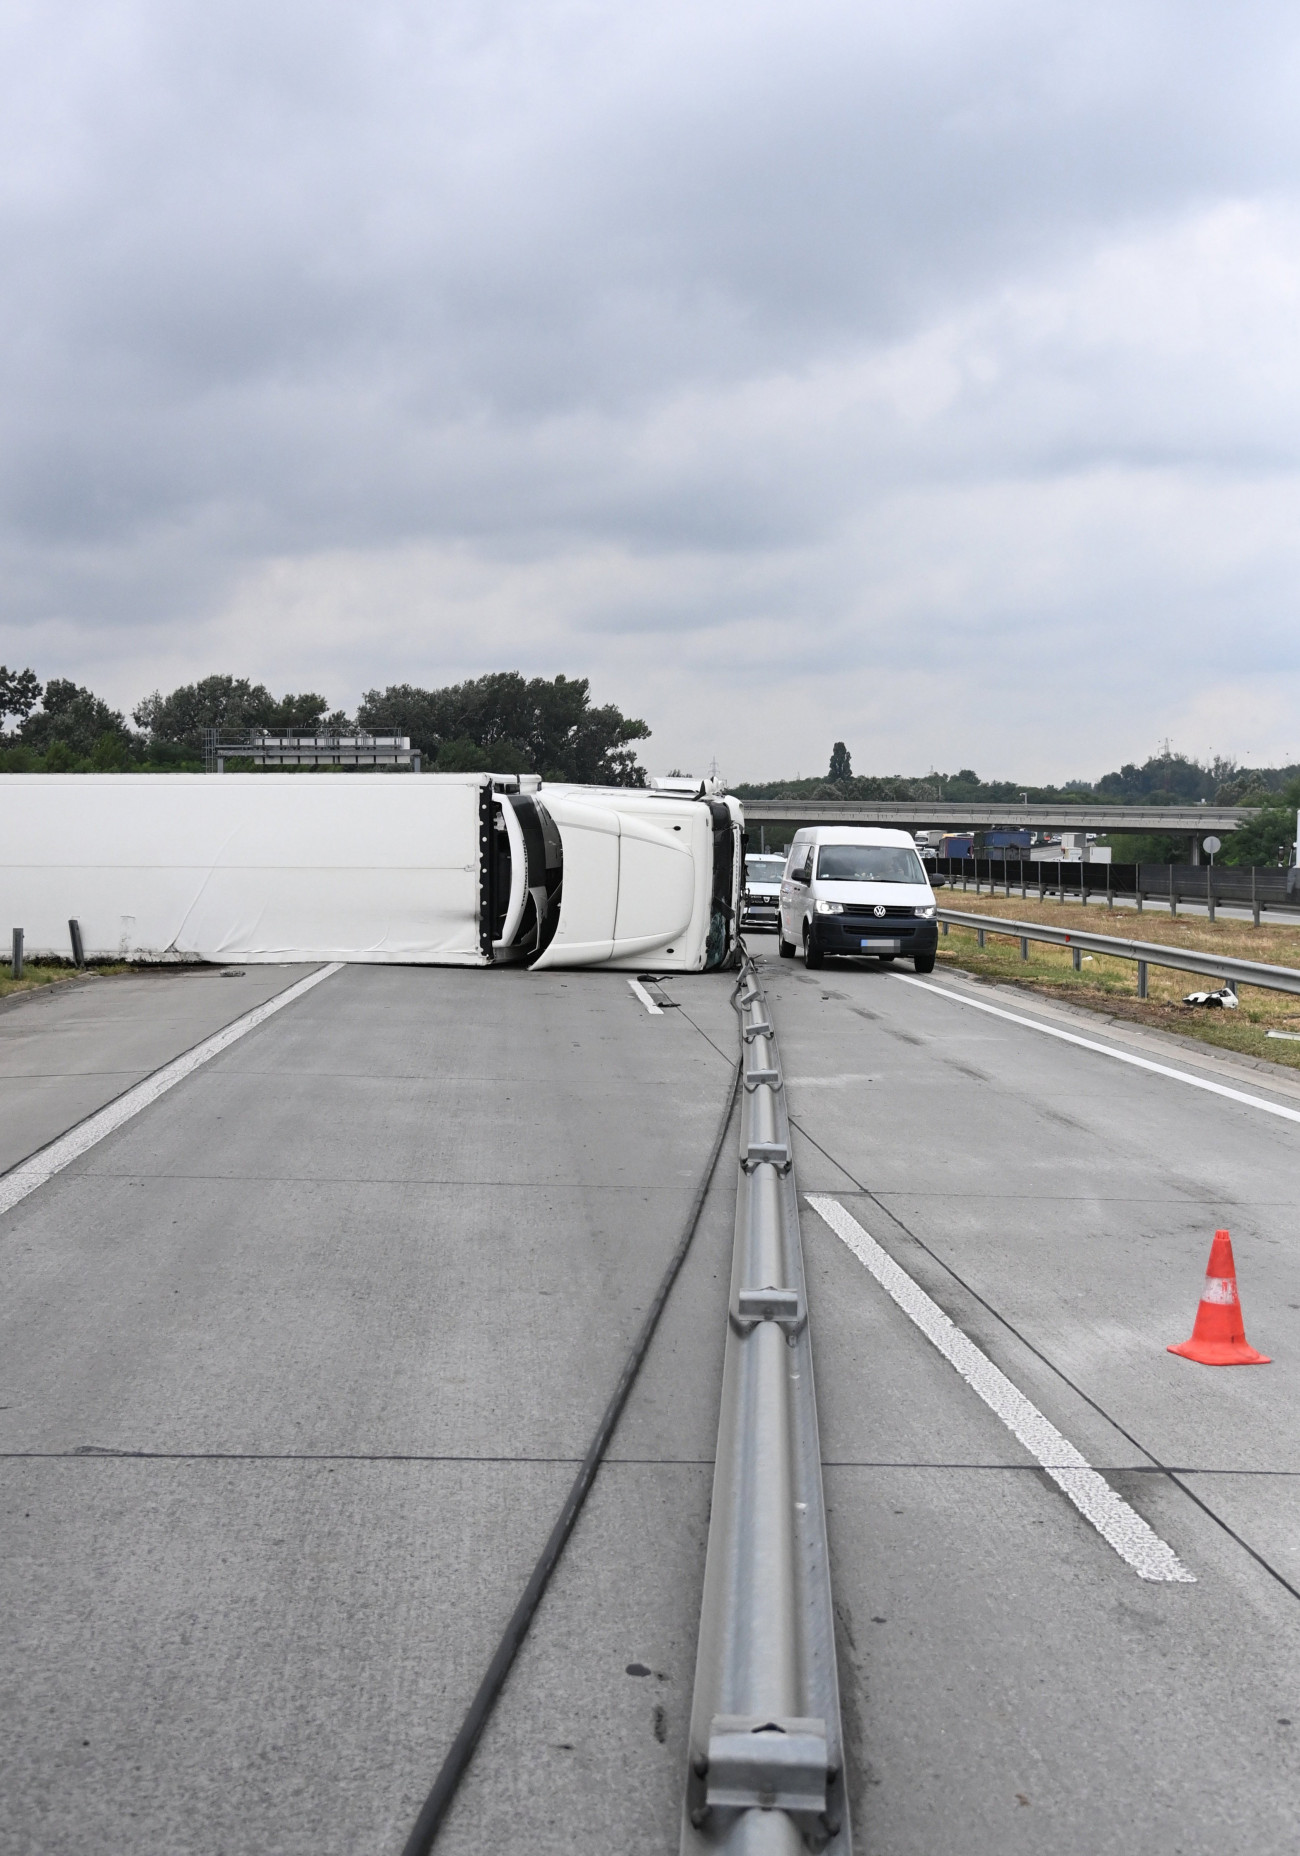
(784, 947)
(924, 963)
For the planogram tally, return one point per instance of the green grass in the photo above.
(1110, 986)
(50, 973)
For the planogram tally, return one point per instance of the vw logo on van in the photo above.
(879, 909)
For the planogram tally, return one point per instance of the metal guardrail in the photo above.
(765, 1773)
(1223, 967)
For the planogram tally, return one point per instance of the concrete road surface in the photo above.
(297, 1366)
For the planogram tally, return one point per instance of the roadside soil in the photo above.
(1110, 986)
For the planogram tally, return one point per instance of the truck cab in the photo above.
(617, 876)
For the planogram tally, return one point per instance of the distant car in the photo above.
(760, 904)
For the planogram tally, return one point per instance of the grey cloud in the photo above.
(540, 279)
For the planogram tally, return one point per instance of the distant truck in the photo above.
(432, 869)
(1017, 842)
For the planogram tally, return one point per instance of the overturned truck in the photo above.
(435, 869)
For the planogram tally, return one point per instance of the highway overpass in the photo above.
(967, 815)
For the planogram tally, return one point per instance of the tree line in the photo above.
(501, 723)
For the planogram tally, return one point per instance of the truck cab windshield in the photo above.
(869, 863)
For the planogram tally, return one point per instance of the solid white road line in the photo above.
(31, 1173)
(1124, 1529)
(655, 1011)
(1107, 1050)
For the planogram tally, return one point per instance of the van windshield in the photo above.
(764, 869)
(869, 863)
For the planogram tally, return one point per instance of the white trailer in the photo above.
(434, 869)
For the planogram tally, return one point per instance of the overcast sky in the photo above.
(926, 377)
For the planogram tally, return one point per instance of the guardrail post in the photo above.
(1024, 945)
(1173, 894)
(1077, 952)
(1142, 979)
(944, 927)
(979, 937)
(18, 954)
(78, 952)
(1254, 896)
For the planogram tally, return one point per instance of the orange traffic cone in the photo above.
(1219, 1337)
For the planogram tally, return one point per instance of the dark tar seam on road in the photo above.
(454, 1766)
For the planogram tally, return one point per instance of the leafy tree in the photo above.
(74, 716)
(841, 767)
(20, 692)
(1149, 847)
(111, 754)
(1164, 779)
(1270, 835)
(230, 703)
(507, 723)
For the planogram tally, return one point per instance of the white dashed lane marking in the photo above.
(1118, 1524)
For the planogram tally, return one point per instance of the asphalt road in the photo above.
(297, 1365)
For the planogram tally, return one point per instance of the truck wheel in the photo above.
(786, 948)
(924, 963)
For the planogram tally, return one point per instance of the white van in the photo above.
(857, 890)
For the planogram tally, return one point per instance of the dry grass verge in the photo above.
(1107, 985)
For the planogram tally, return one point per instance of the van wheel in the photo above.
(813, 956)
(924, 963)
(786, 948)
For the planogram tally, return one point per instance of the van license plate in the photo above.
(878, 946)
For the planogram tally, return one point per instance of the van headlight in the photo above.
(927, 915)
(830, 908)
